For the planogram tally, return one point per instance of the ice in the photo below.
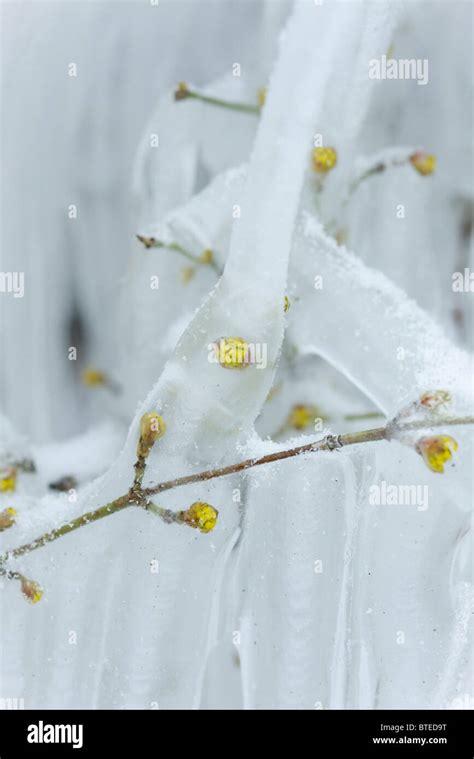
(299, 597)
(414, 354)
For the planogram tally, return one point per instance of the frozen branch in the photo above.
(183, 92)
(206, 258)
(202, 516)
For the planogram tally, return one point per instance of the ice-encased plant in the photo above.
(308, 593)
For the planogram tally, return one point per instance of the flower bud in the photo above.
(324, 159)
(232, 352)
(206, 257)
(7, 479)
(436, 451)
(7, 518)
(93, 377)
(302, 416)
(434, 399)
(187, 273)
(181, 92)
(261, 96)
(32, 590)
(201, 516)
(152, 427)
(424, 163)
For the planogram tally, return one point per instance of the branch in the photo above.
(138, 496)
(92, 516)
(183, 92)
(424, 163)
(328, 443)
(206, 258)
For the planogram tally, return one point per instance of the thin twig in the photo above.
(328, 443)
(233, 106)
(140, 466)
(139, 496)
(92, 516)
(152, 242)
(362, 417)
(377, 168)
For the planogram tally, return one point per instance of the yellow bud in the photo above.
(436, 451)
(187, 273)
(93, 377)
(261, 96)
(7, 518)
(200, 515)
(152, 427)
(286, 304)
(181, 92)
(433, 399)
(7, 479)
(302, 416)
(324, 159)
(207, 256)
(232, 352)
(32, 591)
(424, 163)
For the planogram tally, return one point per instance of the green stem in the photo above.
(180, 249)
(361, 417)
(92, 516)
(167, 515)
(377, 168)
(242, 107)
(151, 242)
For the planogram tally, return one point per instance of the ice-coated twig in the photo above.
(205, 258)
(183, 92)
(424, 163)
(200, 514)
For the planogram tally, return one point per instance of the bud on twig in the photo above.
(182, 91)
(424, 163)
(200, 515)
(152, 427)
(324, 159)
(7, 479)
(232, 352)
(7, 518)
(32, 590)
(436, 451)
